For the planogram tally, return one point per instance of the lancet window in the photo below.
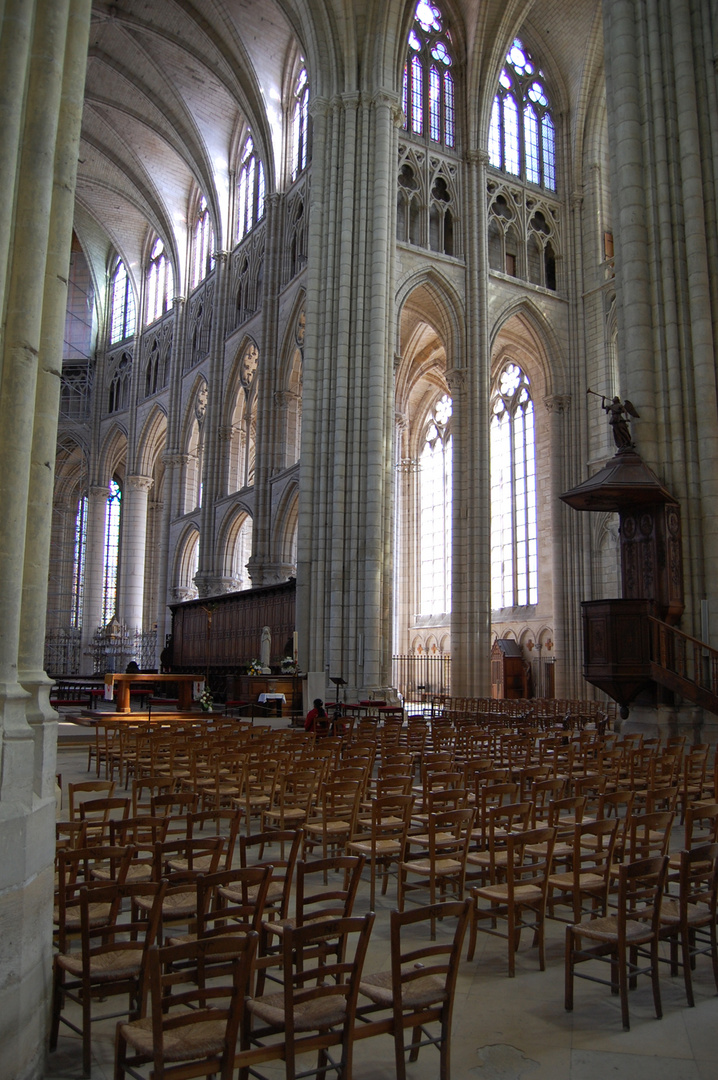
(428, 91)
(435, 510)
(300, 125)
(250, 190)
(522, 136)
(122, 305)
(514, 538)
(112, 552)
(160, 282)
(202, 244)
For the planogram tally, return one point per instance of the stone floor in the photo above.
(505, 1029)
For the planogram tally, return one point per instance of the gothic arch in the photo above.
(113, 454)
(285, 526)
(151, 441)
(71, 468)
(235, 546)
(547, 353)
(445, 313)
(183, 571)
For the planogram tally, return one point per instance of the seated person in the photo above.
(317, 719)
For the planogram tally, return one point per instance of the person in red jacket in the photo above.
(317, 719)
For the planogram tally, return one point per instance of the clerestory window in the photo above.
(300, 124)
(122, 305)
(522, 136)
(250, 190)
(160, 283)
(428, 92)
(202, 242)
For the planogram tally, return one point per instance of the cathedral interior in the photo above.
(324, 291)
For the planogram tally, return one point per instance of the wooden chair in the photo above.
(334, 822)
(439, 865)
(180, 902)
(615, 939)
(230, 904)
(589, 877)
(191, 1026)
(385, 843)
(280, 885)
(701, 827)
(520, 899)
(87, 789)
(143, 833)
(689, 920)
(316, 1006)
(293, 801)
(487, 865)
(693, 785)
(98, 815)
(418, 990)
(110, 960)
(77, 870)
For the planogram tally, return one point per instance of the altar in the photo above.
(124, 680)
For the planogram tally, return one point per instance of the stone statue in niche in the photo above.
(264, 650)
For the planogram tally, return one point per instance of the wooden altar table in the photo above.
(124, 680)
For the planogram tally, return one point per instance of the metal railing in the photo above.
(415, 675)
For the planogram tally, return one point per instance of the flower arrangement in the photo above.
(255, 668)
(289, 666)
(206, 701)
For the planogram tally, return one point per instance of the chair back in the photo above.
(333, 901)
(278, 898)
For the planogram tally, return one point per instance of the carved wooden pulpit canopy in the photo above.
(616, 632)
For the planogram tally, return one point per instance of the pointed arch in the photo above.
(240, 416)
(151, 441)
(285, 527)
(540, 338)
(185, 564)
(235, 547)
(113, 454)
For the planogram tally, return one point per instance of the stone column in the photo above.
(471, 525)
(661, 98)
(134, 541)
(43, 51)
(346, 479)
(211, 480)
(269, 441)
(557, 406)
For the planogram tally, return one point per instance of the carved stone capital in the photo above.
(478, 157)
(577, 199)
(140, 483)
(384, 99)
(173, 461)
(180, 593)
(558, 403)
(225, 434)
(284, 398)
(319, 106)
(456, 380)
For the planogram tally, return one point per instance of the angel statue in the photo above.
(618, 415)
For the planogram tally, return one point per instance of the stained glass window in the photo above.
(528, 149)
(122, 305)
(514, 541)
(112, 552)
(435, 510)
(300, 124)
(428, 84)
(160, 282)
(250, 201)
(203, 243)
